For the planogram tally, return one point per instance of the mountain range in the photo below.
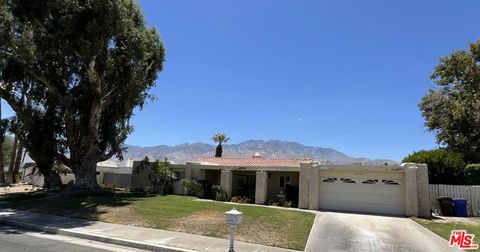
(269, 149)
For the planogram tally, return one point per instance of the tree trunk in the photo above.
(218, 151)
(162, 189)
(2, 136)
(18, 161)
(159, 189)
(51, 178)
(82, 141)
(85, 173)
(2, 171)
(11, 164)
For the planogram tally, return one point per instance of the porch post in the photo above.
(188, 170)
(261, 185)
(304, 185)
(314, 189)
(226, 182)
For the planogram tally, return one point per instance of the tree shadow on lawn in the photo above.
(5, 230)
(70, 203)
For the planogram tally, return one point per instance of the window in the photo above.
(284, 180)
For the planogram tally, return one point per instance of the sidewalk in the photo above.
(124, 235)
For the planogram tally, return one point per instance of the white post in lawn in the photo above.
(233, 218)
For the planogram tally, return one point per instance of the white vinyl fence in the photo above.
(471, 193)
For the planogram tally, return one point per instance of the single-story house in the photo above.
(393, 189)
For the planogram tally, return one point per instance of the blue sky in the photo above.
(341, 74)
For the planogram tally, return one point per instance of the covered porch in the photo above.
(261, 186)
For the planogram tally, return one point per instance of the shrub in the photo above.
(472, 174)
(190, 186)
(219, 193)
(272, 203)
(107, 187)
(216, 189)
(281, 203)
(241, 199)
(161, 176)
(444, 166)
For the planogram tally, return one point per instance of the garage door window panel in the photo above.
(329, 180)
(370, 181)
(348, 181)
(390, 182)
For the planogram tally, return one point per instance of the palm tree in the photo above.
(220, 138)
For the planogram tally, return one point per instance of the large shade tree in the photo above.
(452, 108)
(37, 129)
(84, 64)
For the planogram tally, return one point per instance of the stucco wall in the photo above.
(139, 176)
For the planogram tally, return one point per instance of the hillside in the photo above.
(271, 149)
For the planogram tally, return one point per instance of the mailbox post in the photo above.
(233, 218)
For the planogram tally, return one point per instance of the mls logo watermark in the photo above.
(462, 239)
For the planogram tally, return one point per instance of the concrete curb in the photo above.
(98, 238)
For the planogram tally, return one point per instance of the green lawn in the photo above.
(268, 226)
(444, 229)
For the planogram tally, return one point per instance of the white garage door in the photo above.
(371, 192)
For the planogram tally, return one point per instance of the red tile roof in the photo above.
(253, 161)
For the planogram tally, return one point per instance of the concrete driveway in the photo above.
(334, 231)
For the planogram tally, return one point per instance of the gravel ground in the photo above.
(460, 220)
(16, 188)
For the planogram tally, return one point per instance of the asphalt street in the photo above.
(17, 239)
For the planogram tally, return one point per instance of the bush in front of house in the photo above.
(444, 166)
(241, 199)
(281, 203)
(472, 174)
(190, 186)
(218, 193)
(160, 177)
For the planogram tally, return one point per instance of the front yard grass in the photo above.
(268, 226)
(443, 227)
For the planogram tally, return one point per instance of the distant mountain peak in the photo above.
(270, 149)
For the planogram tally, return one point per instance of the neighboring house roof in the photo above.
(255, 161)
